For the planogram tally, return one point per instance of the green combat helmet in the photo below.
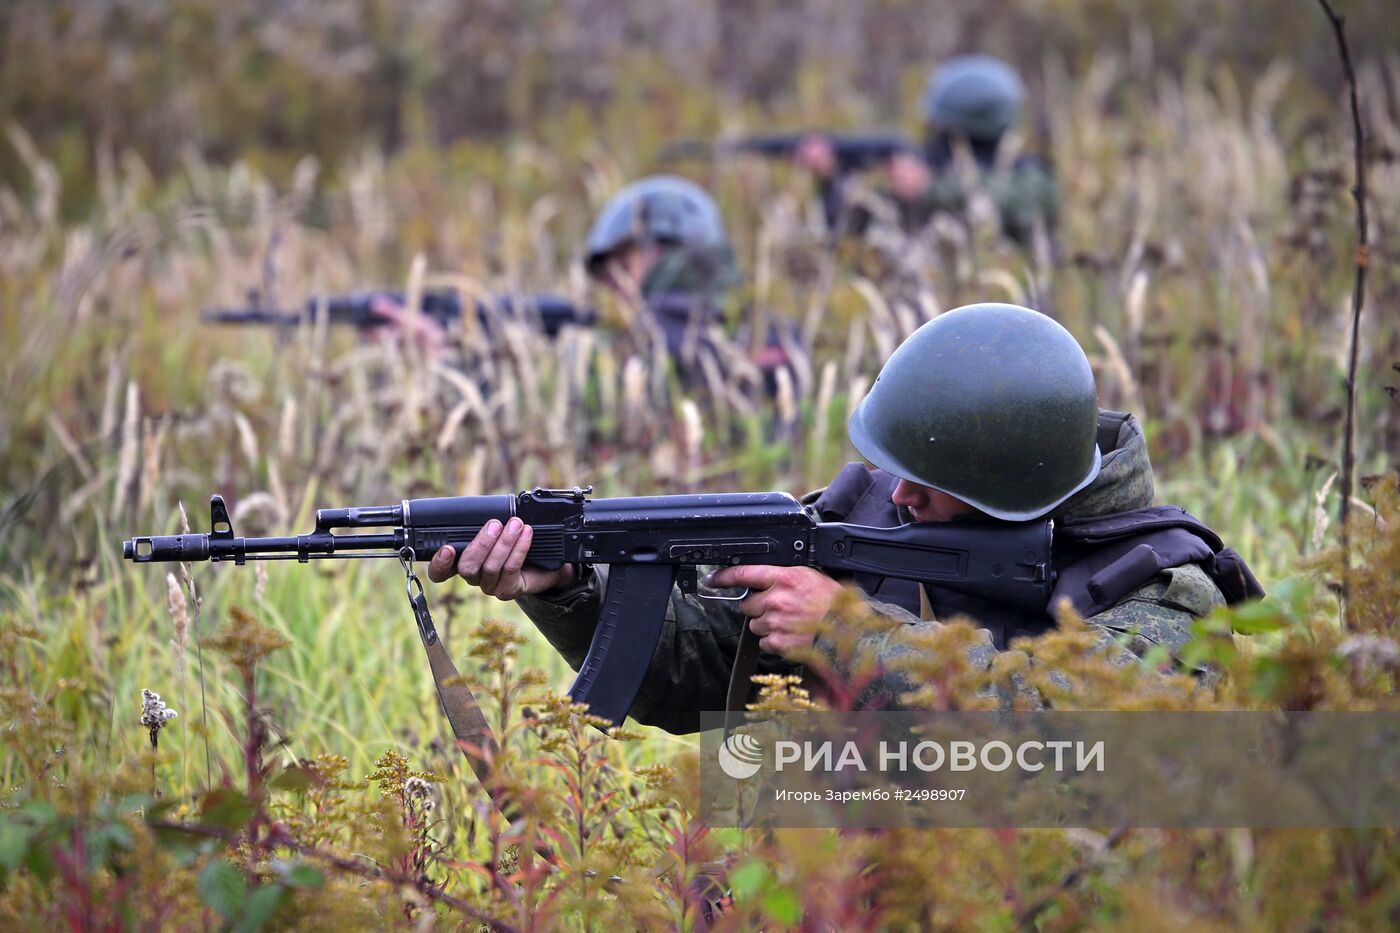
(993, 404)
(976, 96)
(663, 209)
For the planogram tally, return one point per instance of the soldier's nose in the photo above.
(908, 495)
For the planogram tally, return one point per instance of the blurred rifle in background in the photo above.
(357, 309)
(855, 152)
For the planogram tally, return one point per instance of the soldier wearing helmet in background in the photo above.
(969, 104)
(986, 413)
(660, 244)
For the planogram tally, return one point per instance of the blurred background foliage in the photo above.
(272, 81)
(157, 158)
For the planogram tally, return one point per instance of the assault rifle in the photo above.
(652, 543)
(855, 152)
(444, 307)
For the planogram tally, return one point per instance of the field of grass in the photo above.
(1203, 260)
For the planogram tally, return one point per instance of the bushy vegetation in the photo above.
(309, 780)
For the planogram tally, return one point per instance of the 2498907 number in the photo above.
(925, 794)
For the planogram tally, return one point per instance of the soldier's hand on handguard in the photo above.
(784, 603)
(421, 329)
(817, 155)
(495, 562)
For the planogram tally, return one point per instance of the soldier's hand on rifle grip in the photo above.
(784, 603)
(495, 562)
(817, 155)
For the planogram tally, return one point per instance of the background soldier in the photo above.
(987, 412)
(969, 104)
(660, 244)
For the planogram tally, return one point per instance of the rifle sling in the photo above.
(469, 726)
(741, 677)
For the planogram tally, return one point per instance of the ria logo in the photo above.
(740, 756)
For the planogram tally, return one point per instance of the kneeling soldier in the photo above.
(987, 411)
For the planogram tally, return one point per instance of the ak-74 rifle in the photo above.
(652, 543)
(356, 309)
(855, 152)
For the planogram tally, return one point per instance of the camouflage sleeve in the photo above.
(883, 652)
(1160, 613)
(689, 671)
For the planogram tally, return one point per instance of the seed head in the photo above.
(155, 714)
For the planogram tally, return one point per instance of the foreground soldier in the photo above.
(987, 411)
(969, 102)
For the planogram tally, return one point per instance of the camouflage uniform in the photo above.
(1024, 193)
(970, 100)
(690, 669)
(686, 292)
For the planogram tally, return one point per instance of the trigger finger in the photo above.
(755, 604)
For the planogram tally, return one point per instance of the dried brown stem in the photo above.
(1358, 293)
(348, 865)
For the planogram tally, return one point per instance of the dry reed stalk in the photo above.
(1362, 260)
(608, 395)
(692, 440)
(451, 425)
(855, 351)
(1118, 364)
(821, 424)
(470, 290)
(197, 605)
(107, 423)
(635, 406)
(537, 220)
(474, 476)
(1135, 310)
(856, 391)
(786, 397)
(556, 423)
(278, 491)
(717, 393)
(286, 429)
(180, 618)
(153, 443)
(130, 449)
(815, 316)
(881, 320)
(260, 572)
(1000, 278)
(519, 340)
(78, 500)
(247, 439)
(69, 445)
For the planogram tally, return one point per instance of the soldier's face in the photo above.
(627, 268)
(929, 505)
